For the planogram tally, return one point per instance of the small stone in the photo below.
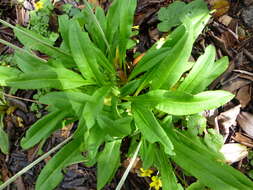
(247, 16)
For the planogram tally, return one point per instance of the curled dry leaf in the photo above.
(227, 119)
(234, 152)
(244, 96)
(243, 140)
(245, 121)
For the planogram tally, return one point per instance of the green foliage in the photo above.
(94, 86)
(175, 13)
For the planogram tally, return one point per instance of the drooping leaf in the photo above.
(51, 174)
(150, 128)
(179, 103)
(43, 128)
(108, 163)
(58, 78)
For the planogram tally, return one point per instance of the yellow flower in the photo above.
(38, 5)
(146, 173)
(137, 27)
(156, 183)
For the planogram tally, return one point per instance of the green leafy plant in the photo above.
(95, 86)
(40, 18)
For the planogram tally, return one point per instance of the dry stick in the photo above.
(24, 170)
(123, 178)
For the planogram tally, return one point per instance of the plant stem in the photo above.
(24, 170)
(123, 178)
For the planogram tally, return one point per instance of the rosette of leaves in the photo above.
(94, 86)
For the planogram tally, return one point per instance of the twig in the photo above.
(25, 99)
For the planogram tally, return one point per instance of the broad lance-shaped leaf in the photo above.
(43, 128)
(119, 22)
(115, 128)
(204, 71)
(202, 164)
(152, 131)
(155, 55)
(73, 101)
(28, 63)
(95, 25)
(93, 108)
(51, 175)
(179, 103)
(83, 54)
(58, 78)
(108, 163)
(169, 71)
(7, 73)
(125, 26)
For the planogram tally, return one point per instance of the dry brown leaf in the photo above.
(244, 96)
(243, 140)
(245, 121)
(226, 120)
(235, 84)
(221, 7)
(234, 152)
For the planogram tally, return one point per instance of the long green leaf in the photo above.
(174, 65)
(96, 27)
(115, 128)
(66, 100)
(209, 170)
(7, 73)
(179, 103)
(169, 180)
(4, 139)
(152, 131)
(51, 174)
(58, 78)
(84, 55)
(108, 163)
(203, 72)
(43, 128)
(35, 41)
(92, 109)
